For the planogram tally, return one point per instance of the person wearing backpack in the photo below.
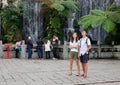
(18, 48)
(85, 46)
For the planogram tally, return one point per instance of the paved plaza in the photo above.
(55, 72)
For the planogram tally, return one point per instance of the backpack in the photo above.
(19, 48)
(85, 42)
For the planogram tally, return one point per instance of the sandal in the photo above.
(85, 76)
(70, 74)
(82, 75)
(78, 75)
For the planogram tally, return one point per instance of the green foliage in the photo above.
(106, 19)
(70, 4)
(58, 6)
(56, 11)
(12, 22)
(114, 16)
(55, 22)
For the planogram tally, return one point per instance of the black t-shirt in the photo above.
(39, 43)
(29, 44)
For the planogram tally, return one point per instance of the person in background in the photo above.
(29, 47)
(47, 48)
(40, 48)
(74, 48)
(85, 46)
(18, 48)
(55, 47)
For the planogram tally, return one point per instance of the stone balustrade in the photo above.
(103, 51)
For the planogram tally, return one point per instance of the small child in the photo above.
(47, 48)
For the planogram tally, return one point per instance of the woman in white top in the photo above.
(74, 45)
(47, 48)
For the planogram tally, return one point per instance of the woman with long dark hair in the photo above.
(74, 46)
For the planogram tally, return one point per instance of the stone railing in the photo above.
(103, 51)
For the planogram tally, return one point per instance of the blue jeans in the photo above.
(29, 53)
(40, 52)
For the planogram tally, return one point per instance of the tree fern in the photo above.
(58, 6)
(109, 26)
(106, 19)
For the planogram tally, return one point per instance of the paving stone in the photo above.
(55, 72)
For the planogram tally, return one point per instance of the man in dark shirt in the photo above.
(29, 47)
(40, 48)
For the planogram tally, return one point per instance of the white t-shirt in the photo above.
(74, 43)
(84, 43)
(47, 46)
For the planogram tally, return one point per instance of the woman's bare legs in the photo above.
(78, 66)
(71, 63)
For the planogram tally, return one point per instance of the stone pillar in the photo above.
(23, 51)
(65, 51)
(1, 50)
(99, 51)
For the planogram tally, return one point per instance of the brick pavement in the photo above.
(55, 72)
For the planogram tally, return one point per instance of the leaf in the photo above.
(65, 13)
(97, 21)
(55, 22)
(98, 18)
(114, 16)
(58, 6)
(109, 26)
(91, 21)
(97, 12)
(70, 4)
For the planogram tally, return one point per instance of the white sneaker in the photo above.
(54, 58)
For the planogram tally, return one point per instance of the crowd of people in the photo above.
(47, 46)
(79, 50)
